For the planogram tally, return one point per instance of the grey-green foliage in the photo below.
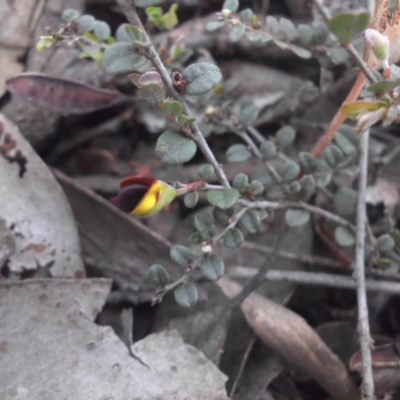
(213, 267)
(174, 148)
(296, 217)
(256, 188)
(224, 199)
(102, 30)
(385, 243)
(201, 77)
(206, 171)
(250, 222)
(289, 171)
(240, 182)
(191, 199)
(181, 255)
(268, 149)
(285, 136)
(234, 238)
(186, 295)
(222, 217)
(238, 153)
(345, 202)
(344, 237)
(121, 58)
(205, 226)
(157, 276)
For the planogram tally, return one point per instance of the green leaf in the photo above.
(223, 217)
(213, 267)
(296, 217)
(287, 28)
(215, 25)
(285, 136)
(333, 155)
(322, 178)
(358, 108)
(248, 113)
(349, 133)
(184, 120)
(240, 182)
(345, 145)
(191, 199)
(169, 20)
(231, 5)
(102, 30)
(254, 36)
(347, 26)
(69, 15)
(238, 153)
(206, 171)
(308, 162)
(186, 295)
(384, 86)
(307, 183)
(172, 108)
(289, 171)
(121, 58)
(305, 34)
(237, 32)
(181, 256)
(320, 30)
(256, 188)
(234, 238)
(268, 149)
(153, 93)
(173, 148)
(385, 243)
(157, 276)
(275, 192)
(147, 3)
(272, 25)
(345, 202)
(201, 77)
(295, 187)
(86, 22)
(121, 35)
(205, 226)
(250, 222)
(223, 199)
(344, 237)
(246, 15)
(136, 35)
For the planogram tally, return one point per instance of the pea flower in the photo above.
(143, 196)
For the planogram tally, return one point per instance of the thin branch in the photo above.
(367, 387)
(315, 279)
(242, 365)
(151, 54)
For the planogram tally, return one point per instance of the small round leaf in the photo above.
(69, 15)
(385, 243)
(173, 148)
(231, 5)
(296, 217)
(222, 217)
(256, 188)
(344, 237)
(240, 182)
(181, 255)
(268, 149)
(102, 30)
(248, 113)
(308, 162)
(201, 77)
(223, 199)
(234, 238)
(172, 108)
(191, 199)
(250, 222)
(157, 276)
(289, 171)
(206, 171)
(237, 32)
(86, 22)
(345, 202)
(285, 136)
(186, 295)
(205, 226)
(213, 267)
(238, 153)
(121, 58)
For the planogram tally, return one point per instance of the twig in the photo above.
(242, 365)
(315, 279)
(367, 386)
(273, 205)
(197, 262)
(151, 54)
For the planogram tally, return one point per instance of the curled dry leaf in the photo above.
(293, 339)
(385, 367)
(62, 95)
(36, 212)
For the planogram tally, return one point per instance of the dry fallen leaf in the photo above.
(70, 357)
(35, 210)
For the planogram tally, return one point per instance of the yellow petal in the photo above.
(149, 201)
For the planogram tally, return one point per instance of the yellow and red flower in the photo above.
(143, 196)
